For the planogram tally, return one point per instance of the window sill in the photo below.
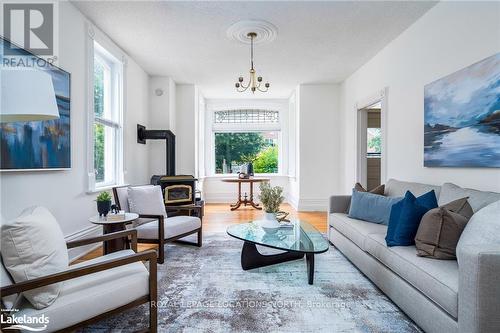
(104, 188)
(232, 175)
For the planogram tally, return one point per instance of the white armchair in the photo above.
(86, 292)
(154, 227)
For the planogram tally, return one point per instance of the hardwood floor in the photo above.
(218, 217)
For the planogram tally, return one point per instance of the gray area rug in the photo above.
(205, 290)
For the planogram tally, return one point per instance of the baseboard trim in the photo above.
(293, 201)
(312, 205)
(78, 252)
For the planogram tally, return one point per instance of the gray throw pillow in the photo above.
(440, 229)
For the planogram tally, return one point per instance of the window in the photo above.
(243, 136)
(373, 142)
(107, 119)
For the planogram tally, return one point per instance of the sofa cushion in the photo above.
(477, 199)
(371, 207)
(437, 279)
(355, 230)
(397, 188)
(482, 229)
(88, 296)
(173, 226)
(33, 246)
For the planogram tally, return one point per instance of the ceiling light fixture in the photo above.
(254, 83)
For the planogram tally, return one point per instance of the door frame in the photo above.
(361, 124)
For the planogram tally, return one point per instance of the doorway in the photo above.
(371, 153)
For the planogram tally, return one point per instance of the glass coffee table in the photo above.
(302, 239)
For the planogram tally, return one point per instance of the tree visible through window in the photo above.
(235, 149)
(107, 118)
(374, 141)
(98, 128)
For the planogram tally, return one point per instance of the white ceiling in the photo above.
(317, 42)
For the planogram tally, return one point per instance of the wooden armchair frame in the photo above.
(72, 273)
(161, 229)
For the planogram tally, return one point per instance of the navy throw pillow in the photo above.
(405, 218)
(371, 207)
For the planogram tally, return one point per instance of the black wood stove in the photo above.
(177, 189)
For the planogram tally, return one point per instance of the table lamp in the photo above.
(27, 95)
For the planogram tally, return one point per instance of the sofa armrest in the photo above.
(339, 204)
(478, 288)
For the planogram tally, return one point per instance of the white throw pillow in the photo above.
(33, 246)
(146, 200)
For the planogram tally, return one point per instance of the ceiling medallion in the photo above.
(254, 83)
(266, 32)
(252, 32)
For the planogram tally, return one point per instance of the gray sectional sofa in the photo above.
(439, 295)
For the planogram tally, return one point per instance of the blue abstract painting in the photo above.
(462, 117)
(37, 144)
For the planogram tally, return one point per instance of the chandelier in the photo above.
(253, 82)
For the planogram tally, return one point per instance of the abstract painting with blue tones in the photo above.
(38, 144)
(462, 117)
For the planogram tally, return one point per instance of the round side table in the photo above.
(114, 226)
(245, 201)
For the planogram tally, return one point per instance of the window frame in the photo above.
(245, 128)
(101, 49)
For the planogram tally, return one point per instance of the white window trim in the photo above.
(210, 129)
(118, 84)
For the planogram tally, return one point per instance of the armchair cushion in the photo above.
(32, 246)
(85, 297)
(5, 280)
(121, 196)
(173, 226)
(146, 200)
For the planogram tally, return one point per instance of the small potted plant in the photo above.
(271, 198)
(103, 203)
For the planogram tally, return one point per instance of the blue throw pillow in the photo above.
(371, 207)
(405, 218)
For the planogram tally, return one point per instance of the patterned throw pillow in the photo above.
(440, 229)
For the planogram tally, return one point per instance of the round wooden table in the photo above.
(245, 201)
(114, 226)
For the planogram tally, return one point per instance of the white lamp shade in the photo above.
(27, 95)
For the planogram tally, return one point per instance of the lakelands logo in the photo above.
(31, 26)
(28, 323)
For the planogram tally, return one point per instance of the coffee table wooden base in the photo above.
(251, 258)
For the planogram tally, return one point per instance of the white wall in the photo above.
(318, 144)
(451, 36)
(64, 192)
(186, 108)
(161, 116)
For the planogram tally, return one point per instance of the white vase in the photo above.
(270, 224)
